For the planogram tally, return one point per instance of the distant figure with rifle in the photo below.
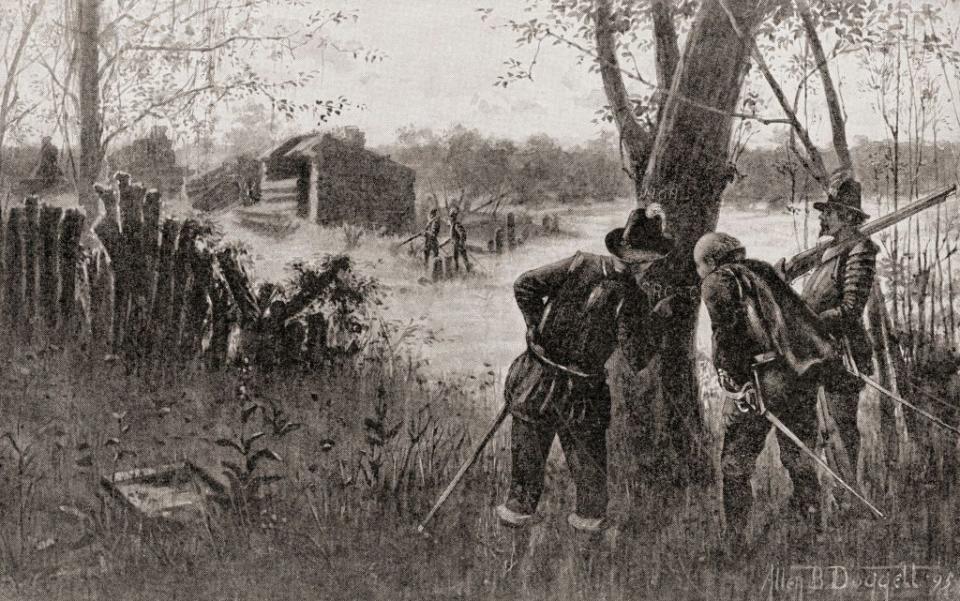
(431, 235)
(577, 311)
(837, 292)
(766, 342)
(458, 237)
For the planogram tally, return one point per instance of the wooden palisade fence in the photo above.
(154, 293)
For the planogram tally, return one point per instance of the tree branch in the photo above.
(149, 109)
(746, 116)
(596, 57)
(13, 74)
(637, 140)
(830, 93)
(13, 70)
(819, 171)
(211, 47)
(667, 49)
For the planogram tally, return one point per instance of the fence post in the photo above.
(31, 213)
(109, 294)
(69, 260)
(181, 282)
(224, 315)
(130, 280)
(201, 266)
(49, 264)
(239, 284)
(15, 266)
(162, 312)
(151, 244)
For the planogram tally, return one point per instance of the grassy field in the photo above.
(474, 319)
(378, 442)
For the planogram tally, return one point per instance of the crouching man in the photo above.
(577, 311)
(760, 323)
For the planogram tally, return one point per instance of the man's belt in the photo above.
(540, 355)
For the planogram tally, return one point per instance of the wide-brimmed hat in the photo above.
(642, 235)
(843, 195)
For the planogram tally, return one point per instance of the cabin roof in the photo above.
(310, 146)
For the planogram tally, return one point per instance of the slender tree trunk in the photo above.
(829, 91)
(91, 127)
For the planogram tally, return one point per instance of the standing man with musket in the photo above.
(768, 343)
(577, 311)
(458, 236)
(431, 234)
(837, 291)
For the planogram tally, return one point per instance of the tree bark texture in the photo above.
(91, 127)
(73, 224)
(633, 136)
(31, 254)
(665, 42)
(50, 218)
(15, 293)
(686, 172)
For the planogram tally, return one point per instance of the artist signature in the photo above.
(883, 583)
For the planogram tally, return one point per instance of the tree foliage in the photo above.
(176, 62)
(463, 163)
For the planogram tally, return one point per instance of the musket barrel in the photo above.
(804, 261)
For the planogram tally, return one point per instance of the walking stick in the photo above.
(477, 450)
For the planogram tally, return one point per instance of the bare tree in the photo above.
(17, 29)
(143, 61)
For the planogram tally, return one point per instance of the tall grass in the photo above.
(377, 444)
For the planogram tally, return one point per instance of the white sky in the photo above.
(442, 62)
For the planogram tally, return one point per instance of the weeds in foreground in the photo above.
(352, 234)
(250, 450)
(369, 450)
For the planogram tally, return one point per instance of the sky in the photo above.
(440, 66)
(441, 62)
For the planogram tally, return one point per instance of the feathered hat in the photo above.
(642, 235)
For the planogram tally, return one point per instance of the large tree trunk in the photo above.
(686, 171)
(91, 128)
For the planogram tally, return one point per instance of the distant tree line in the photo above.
(773, 176)
(466, 166)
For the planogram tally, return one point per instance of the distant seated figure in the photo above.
(47, 172)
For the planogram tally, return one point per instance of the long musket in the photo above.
(410, 239)
(803, 262)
